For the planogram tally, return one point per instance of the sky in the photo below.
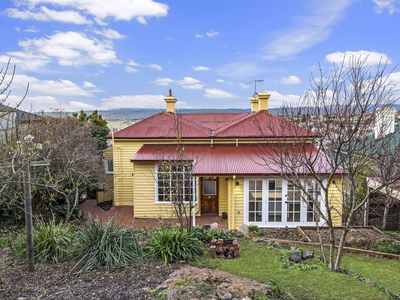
(101, 54)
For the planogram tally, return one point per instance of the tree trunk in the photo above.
(386, 212)
(340, 251)
(28, 217)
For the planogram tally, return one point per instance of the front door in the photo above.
(209, 195)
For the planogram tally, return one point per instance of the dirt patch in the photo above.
(53, 281)
(357, 237)
(202, 283)
(281, 234)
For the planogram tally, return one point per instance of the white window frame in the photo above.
(195, 183)
(265, 211)
(106, 169)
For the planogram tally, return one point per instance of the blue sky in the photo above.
(101, 54)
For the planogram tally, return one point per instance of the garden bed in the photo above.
(281, 234)
(55, 281)
(358, 236)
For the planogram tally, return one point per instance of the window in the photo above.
(175, 182)
(108, 166)
(274, 200)
(255, 200)
(313, 201)
(209, 187)
(293, 203)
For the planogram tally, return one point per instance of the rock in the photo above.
(246, 298)
(213, 226)
(370, 282)
(296, 256)
(308, 255)
(237, 233)
(224, 295)
(244, 229)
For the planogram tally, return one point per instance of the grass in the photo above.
(383, 271)
(265, 264)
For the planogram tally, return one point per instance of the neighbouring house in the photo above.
(387, 128)
(11, 119)
(229, 179)
(106, 189)
(376, 206)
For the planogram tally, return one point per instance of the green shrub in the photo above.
(174, 245)
(199, 233)
(386, 245)
(52, 242)
(255, 229)
(105, 245)
(217, 234)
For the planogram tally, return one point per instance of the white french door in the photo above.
(273, 202)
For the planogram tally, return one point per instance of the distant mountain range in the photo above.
(123, 117)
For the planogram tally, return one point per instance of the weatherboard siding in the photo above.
(335, 197)
(222, 195)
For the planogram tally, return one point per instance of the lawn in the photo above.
(264, 264)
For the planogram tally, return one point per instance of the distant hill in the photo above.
(123, 117)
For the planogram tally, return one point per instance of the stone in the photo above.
(213, 226)
(308, 255)
(224, 295)
(296, 256)
(244, 229)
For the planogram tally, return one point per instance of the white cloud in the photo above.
(155, 67)
(89, 85)
(277, 99)
(103, 10)
(290, 80)
(60, 87)
(136, 101)
(307, 31)
(201, 68)
(65, 48)
(133, 67)
(244, 85)
(47, 15)
(163, 81)
(370, 57)
(72, 49)
(219, 94)
(190, 83)
(240, 70)
(78, 105)
(110, 34)
(187, 82)
(209, 34)
(220, 80)
(212, 34)
(26, 60)
(391, 6)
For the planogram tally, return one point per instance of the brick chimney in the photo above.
(170, 100)
(263, 98)
(254, 104)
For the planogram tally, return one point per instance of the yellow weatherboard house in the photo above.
(229, 176)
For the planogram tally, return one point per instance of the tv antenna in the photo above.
(255, 84)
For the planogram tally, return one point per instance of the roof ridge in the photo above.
(234, 123)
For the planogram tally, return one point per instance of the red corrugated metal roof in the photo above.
(220, 125)
(246, 159)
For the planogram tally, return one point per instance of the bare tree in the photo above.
(340, 109)
(174, 177)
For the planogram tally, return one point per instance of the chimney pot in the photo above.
(263, 98)
(170, 100)
(254, 104)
